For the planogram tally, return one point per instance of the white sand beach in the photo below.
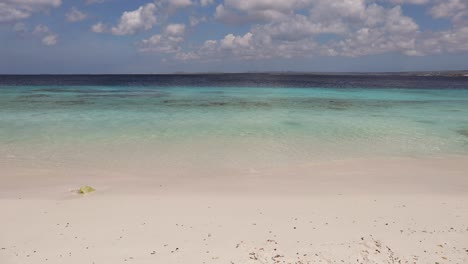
(234, 132)
(401, 210)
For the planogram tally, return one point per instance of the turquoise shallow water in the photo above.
(236, 125)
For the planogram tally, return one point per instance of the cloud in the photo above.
(452, 41)
(145, 17)
(99, 28)
(373, 29)
(13, 10)
(253, 47)
(49, 38)
(180, 3)
(413, 2)
(457, 10)
(168, 42)
(248, 11)
(41, 29)
(75, 15)
(278, 5)
(175, 29)
(298, 27)
(232, 16)
(194, 21)
(186, 56)
(308, 28)
(206, 2)
(161, 43)
(11, 13)
(141, 19)
(267, 11)
(231, 41)
(354, 28)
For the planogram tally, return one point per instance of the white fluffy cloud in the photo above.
(231, 41)
(390, 32)
(49, 38)
(145, 17)
(303, 28)
(413, 2)
(457, 10)
(299, 27)
(247, 11)
(11, 13)
(167, 42)
(359, 28)
(194, 21)
(180, 3)
(13, 10)
(75, 15)
(175, 29)
(131, 22)
(161, 43)
(99, 28)
(353, 28)
(282, 5)
(250, 46)
(452, 41)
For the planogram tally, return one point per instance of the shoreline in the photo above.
(380, 175)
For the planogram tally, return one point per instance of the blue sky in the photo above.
(116, 36)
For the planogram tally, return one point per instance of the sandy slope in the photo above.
(389, 211)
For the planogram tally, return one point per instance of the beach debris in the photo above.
(86, 189)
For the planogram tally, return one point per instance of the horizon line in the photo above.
(257, 72)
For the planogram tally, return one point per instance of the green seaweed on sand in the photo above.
(86, 189)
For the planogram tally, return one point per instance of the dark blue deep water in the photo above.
(243, 80)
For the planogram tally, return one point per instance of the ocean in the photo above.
(227, 120)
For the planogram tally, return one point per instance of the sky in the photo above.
(166, 36)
